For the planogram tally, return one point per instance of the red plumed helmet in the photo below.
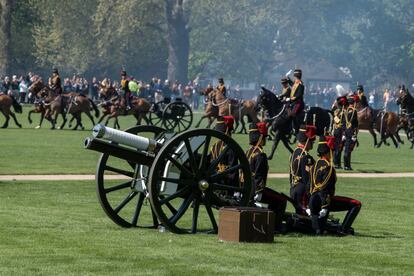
(261, 127)
(330, 142)
(229, 121)
(310, 131)
(356, 98)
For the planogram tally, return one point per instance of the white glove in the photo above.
(287, 100)
(288, 73)
(308, 211)
(258, 197)
(354, 138)
(343, 138)
(323, 213)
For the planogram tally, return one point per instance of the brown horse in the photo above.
(79, 104)
(406, 102)
(113, 107)
(54, 105)
(210, 111)
(235, 108)
(6, 102)
(385, 123)
(38, 107)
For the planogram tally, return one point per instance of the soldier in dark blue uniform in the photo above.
(322, 199)
(260, 168)
(339, 128)
(351, 131)
(296, 94)
(286, 90)
(300, 163)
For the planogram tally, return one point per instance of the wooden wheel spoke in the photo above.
(216, 161)
(225, 173)
(218, 186)
(177, 194)
(179, 166)
(195, 215)
(128, 198)
(140, 202)
(183, 208)
(191, 156)
(204, 155)
(119, 171)
(119, 187)
(210, 214)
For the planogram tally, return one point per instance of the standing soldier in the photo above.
(221, 87)
(339, 128)
(351, 131)
(322, 199)
(259, 167)
(296, 94)
(300, 163)
(126, 93)
(225, 124)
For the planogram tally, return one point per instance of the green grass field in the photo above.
(43, 151)
(50, 228)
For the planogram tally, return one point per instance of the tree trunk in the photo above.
(5, 22)
(178, 40)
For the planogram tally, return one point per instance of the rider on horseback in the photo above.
(296, 94)
(286, 82)
(221, 87)
(126, 93)
(56, 86)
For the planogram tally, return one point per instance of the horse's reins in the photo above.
(223, 102)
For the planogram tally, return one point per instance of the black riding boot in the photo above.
(349, 219)
(316, 225)
(347, 162)
(337, 159)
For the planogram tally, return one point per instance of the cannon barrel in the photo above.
(124, 138)
(119, 151)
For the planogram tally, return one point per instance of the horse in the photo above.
(79, 104)
(237, 109)
(38, 106)
(210, 111)
(277, 114)
(385, 123)
(54, 105)
(113, 108)
(6, 102)
(406, 101)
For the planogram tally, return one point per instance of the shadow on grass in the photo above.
(369, 171)
(384, 235)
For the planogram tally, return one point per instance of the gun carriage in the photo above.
(174, 116)
(174, 172)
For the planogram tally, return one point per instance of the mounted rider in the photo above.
(221, 88)
(126, 93)
(260, 168)
(322, 192)
(297, 92)
(286, 82)
(55, 84)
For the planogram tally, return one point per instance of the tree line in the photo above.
(183, 39)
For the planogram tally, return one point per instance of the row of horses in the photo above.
(273, 110)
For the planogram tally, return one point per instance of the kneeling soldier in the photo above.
(323, 199)
(300, 163)
(260, 168)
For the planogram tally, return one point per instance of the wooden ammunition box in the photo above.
(246, 224)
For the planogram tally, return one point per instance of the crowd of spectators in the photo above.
(156, 90)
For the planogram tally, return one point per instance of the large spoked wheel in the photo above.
(122, 189)
(184, 176)
(177, 117)
(155, 115)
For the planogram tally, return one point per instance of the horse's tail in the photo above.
(94, 108)
(17, 107)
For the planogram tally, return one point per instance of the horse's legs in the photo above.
(374, 135)
(78, 120)
(71, 121)
(394, 140)
(275, 143)
(117, 123)
(201, 119)
(285, 140)
(6, 123)
(64, 120)
(15, 120)
(91, 118)
(29, 116)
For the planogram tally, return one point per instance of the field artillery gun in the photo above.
(175, 172)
